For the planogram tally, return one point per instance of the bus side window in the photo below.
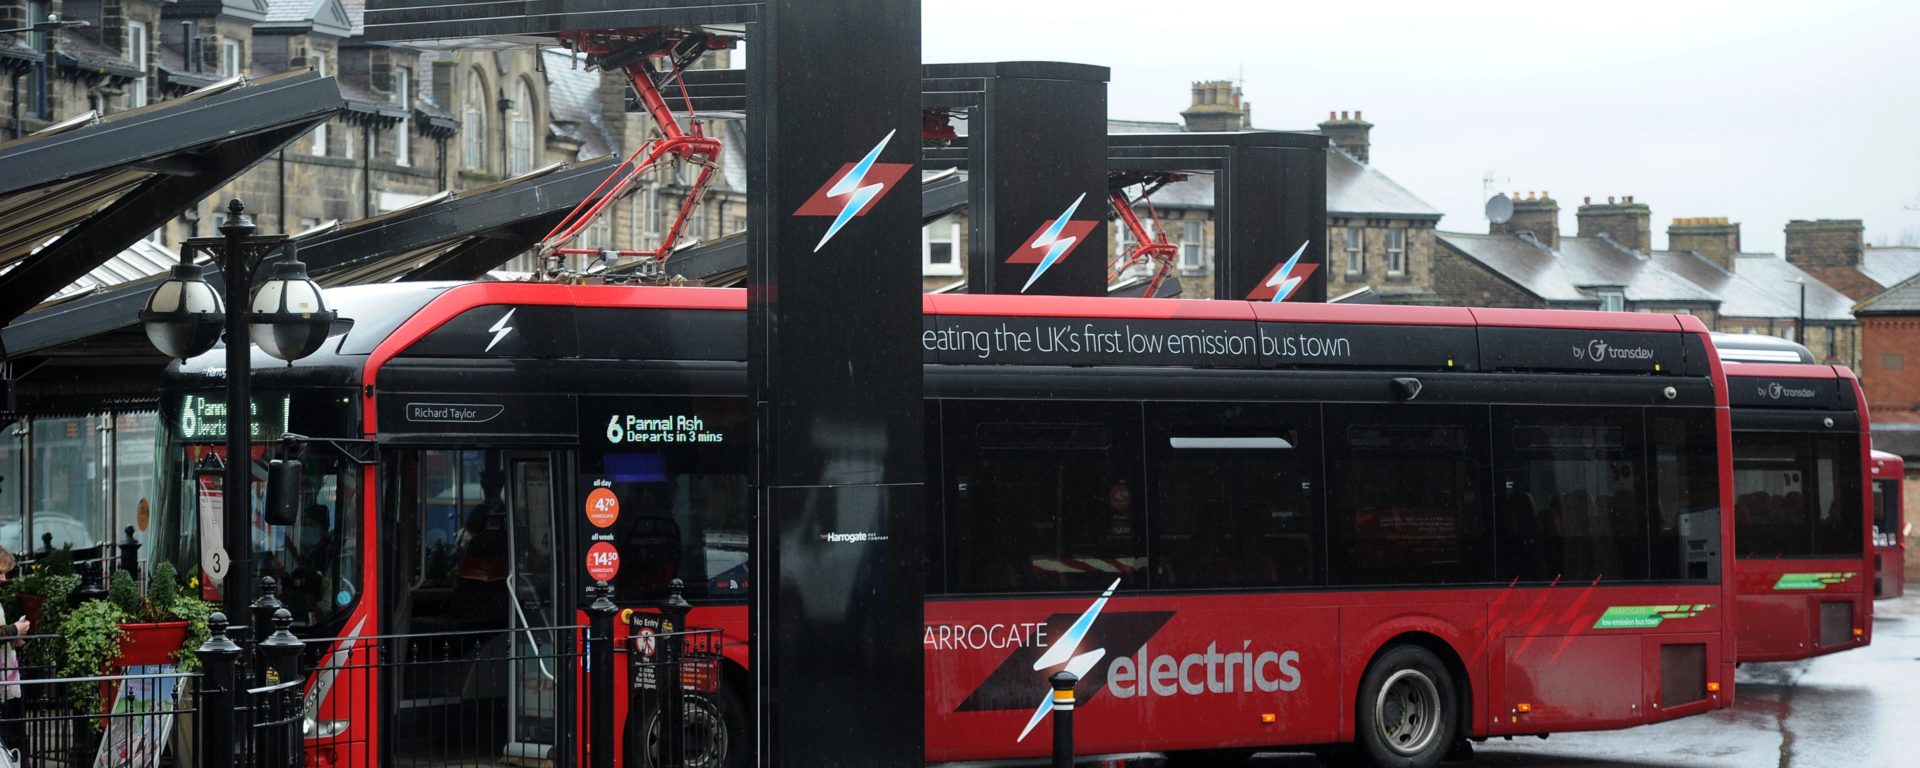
(1686, 495)
(1235, 499)
(1405, 502)
(1043, 496)
(1574, 501)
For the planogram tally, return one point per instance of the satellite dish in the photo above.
(1499, 209)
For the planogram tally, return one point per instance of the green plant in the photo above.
(56, 592)
(163, 590)
(91, 633)
(194, 611)
(125, 593)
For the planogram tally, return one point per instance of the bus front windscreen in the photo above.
(315, 559)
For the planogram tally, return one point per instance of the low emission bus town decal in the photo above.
(1132, 669)
(1811, 581)
(1646, 616)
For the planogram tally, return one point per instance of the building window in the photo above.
(403, 132)
(1892, 361)
(229, 58)
(158, 236)
(650, 212)
(137, 46)
(940, 247)
(473, 123)
(320, 131)
(1193, 246)
(1613, 301)
(1356, 256)
(1396, 252)
(520, 120)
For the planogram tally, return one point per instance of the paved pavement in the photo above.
(1859, 708)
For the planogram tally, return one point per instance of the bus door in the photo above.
(471, 668)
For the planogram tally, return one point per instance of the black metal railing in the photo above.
(459, 698)
(675, 691)
(560, 696)
(41, 724)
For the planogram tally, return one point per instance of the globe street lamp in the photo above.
(288, 318)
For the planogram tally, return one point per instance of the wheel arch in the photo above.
(1439, 647)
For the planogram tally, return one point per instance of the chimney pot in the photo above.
(1609, 199)
(1356, 114)
(1587, 200)
(1329, 115)
(1343, 114)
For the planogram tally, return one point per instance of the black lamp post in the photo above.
(288, 318)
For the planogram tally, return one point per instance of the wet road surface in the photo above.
(1859, 709)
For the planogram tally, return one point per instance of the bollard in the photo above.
(217, 693)
(263, 609)
(281, 650)
(130, 554)
(600, 677)
(673, 749)
(1063, 683)
(280, 663)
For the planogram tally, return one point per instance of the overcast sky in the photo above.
(1760, 112)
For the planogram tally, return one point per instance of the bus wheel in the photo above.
(715, 734)
(1407, 716)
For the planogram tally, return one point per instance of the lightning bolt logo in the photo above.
(500, 329)
(851, 187)
(1055, 244)
(1069, 644)
(1282, 282)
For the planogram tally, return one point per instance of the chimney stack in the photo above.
(1627, 223)
(1217, 106)
(1534, 213)
(1713, 237)
(1826, 242)
(1351, 135)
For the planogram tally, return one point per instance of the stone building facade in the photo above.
(418, 122)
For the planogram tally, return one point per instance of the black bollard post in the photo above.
(130, 555)
(1063, 683)
(263, 609)
(218, 693)
(280, 661)
(600, 680)
(281, 650)
(673, 748)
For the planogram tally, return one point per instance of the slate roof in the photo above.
(1847, 280)
(281, 11)
(573, 104)
(1902, 299)
(1761, 285)
(1902, 439)
(1890, 265)
(1355, 188)
(1577, 271)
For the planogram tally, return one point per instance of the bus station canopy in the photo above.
(92, 347)
(79, 192)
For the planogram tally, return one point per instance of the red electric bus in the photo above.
(1247, 526)
(1890, 526)
(1802, 520)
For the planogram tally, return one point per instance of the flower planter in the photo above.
(153, 643)
(30, 607)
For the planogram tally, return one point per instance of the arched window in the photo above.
(520, 137)
(473, 123)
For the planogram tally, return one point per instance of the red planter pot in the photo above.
(150, 643)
